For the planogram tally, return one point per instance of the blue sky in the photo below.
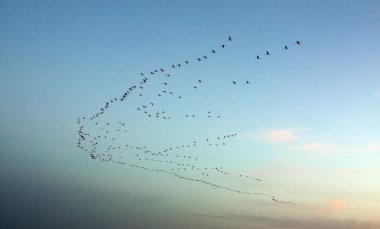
(307, 124)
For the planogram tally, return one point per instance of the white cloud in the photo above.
(278, 135)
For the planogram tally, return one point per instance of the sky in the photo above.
(303, 132)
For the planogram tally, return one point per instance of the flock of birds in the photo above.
(106, 144)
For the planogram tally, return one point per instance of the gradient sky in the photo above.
(308, 124)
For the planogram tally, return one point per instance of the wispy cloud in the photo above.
(316, 147)
(316, 223)
(277, 135)
(335, 205)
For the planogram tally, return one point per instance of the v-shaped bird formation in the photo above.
(106, 141)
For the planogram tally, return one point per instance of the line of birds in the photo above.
(93, 143)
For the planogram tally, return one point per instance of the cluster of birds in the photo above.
(171, 160)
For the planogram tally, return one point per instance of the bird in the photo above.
(298, 42)
(267, 53)
(168, 75)
(286, 47)
(162, 70)
(205, 57)
(222, 45)
(258, 57)
(179, 65)
(229, 38)
(173, 66)
(187, 62)
(213, 51)
(247, 82)
(164, 83)
(199, 59)
(233, 82)
(142, 74)
(199, 81)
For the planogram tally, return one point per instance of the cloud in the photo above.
(312, 146)
(277, 136)
(335, 205)
(315, 223)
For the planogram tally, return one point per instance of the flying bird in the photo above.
(298, 42)
(229, 38)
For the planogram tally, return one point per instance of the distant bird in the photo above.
(187, 62)
(298, 42)
(167, 75)
(286, 47)
(258, 57)
(222, 45)
(199, 59)
(141, 74)
(164, 83)
(195, 87)
(247, 82)
(213, 51)
(199, 81)
(162, 70)
(179, 65)
(267, 53)
(233, 82)
(173, 66)
(205, 57)
(229, 38)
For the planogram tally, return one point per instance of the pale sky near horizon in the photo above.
(307, 124)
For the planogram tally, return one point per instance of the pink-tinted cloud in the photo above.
(312, 146)
(334, 205)
(277, 136)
